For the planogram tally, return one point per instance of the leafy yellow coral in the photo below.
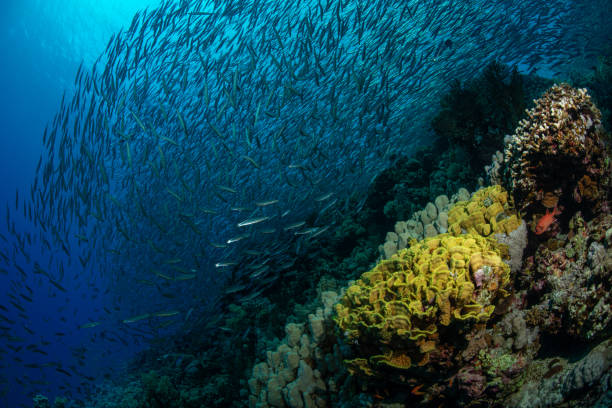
(394, 312)
(487, 212)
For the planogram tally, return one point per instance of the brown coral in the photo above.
(558, 155)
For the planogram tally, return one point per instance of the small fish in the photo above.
(167, 139)
(89, 325)
(137, 318)
(546, 220)
(252, 221)
(187, 276)
(57, 285)
(250, 160)
(238, 238)
(161, 275)
(295, 225)
(61, 370)
(178, 197)
(226, 189)
(320, 231)
(265, 203)
(166, 314)
(324, 197)
(307, 231)
(234, 289)
(260, 272)
(216, 245)
(225, 264)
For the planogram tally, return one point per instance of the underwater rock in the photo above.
(571, 383)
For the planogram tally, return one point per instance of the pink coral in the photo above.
(472, 381)
(479, 277)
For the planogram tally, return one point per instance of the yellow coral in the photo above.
(399, 306)
(487, 212)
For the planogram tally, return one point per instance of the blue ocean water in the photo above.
(171, 161)
(43, 44)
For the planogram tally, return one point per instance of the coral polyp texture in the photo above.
(487, 212)
(558, 156)
(409, 311)
(573, 281)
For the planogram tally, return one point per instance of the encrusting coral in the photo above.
(409, 310)
(572, 280)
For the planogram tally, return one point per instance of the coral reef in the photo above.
(412, 182)
(304, 369)
(428, 222)
(587, 382)
(40, 401)
(557, 155)
(410, 310)
(487, 212)
(453, 316)
(516, 241)
(572, 279)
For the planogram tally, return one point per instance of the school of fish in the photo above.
(212, 138)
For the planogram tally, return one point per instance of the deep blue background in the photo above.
(43, 42)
